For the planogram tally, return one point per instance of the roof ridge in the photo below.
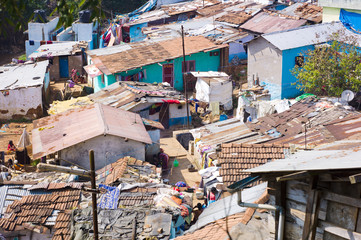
(100, 109)
(302, 27)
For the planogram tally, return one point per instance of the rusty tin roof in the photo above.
(60, 131)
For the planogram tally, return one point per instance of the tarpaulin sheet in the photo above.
(351, 21)
(109, 200)
(92, 71)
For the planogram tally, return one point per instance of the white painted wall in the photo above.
(174, 112)
(107, 149)
(29, 49)
(264, 61)
(83, 31)
(40, 31)
(19, 101)
(65, 36)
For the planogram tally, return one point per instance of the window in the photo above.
(190, 66)
(299, 61)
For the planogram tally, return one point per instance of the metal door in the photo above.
(63, 67)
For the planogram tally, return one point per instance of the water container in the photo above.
(175, 163)
(40, 16)
(84, 16)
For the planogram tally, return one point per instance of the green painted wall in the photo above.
(330, 14)
(154, 72)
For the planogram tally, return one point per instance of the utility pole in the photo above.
(94, 195)
(184, 79)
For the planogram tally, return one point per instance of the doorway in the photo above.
(63, 67)
(168, 73)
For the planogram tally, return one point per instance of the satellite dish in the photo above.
(347, 95)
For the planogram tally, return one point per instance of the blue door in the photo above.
(63, 67)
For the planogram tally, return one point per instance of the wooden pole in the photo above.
(184, 79)
(56, 168)
(94, 195)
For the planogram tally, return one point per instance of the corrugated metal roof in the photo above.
(345, 128)
(305, 36)
(313, 161)
(22, 76)
(228, 206)
(146, 54)
(304, 10)
(266, 23)
(57, 132)
(55, 49)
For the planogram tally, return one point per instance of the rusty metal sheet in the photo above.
(266, 23)
(345, 128)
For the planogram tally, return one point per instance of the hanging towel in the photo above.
(214, 107)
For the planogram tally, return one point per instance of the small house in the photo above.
(156, 62)
(271, 57)
(112, 133)
(22, 90)
(214, 87)
(46, 31)
(63, 57)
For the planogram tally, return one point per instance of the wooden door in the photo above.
(164, 115)
(168, 73)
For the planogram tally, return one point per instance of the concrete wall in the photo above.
(41, 31)
(65, 36)
(346, 4)
(75, 61)
(29, 49)
(330, 14)
(21, 103)
(83, 31)
(289, 89)
(153, 148)
(265, 61)
(178, 116)
(107, 149)
(135, 32)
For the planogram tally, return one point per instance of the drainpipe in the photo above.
(281, 218)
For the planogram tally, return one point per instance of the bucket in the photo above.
(223, 117)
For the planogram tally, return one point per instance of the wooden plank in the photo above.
(309, 218)
(338, 231)
(293, 176)
(354, 202)
(355, 178)
(315, 212)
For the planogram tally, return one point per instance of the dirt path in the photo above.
(175, 151)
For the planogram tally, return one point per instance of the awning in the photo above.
(92, 71)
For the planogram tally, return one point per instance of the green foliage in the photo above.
(331, 68)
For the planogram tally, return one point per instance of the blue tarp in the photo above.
(145, 8)
(351, 21)
(109, 200)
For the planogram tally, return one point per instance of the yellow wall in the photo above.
(333, 14)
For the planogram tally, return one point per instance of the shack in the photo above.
(112, 133)
(23, 88)
(63, 56)
(319, 191)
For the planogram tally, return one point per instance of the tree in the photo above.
(330, 68)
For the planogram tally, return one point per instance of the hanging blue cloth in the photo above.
(351, 21)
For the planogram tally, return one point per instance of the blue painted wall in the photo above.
(135, 32)
(154, 72)
(288, 63)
